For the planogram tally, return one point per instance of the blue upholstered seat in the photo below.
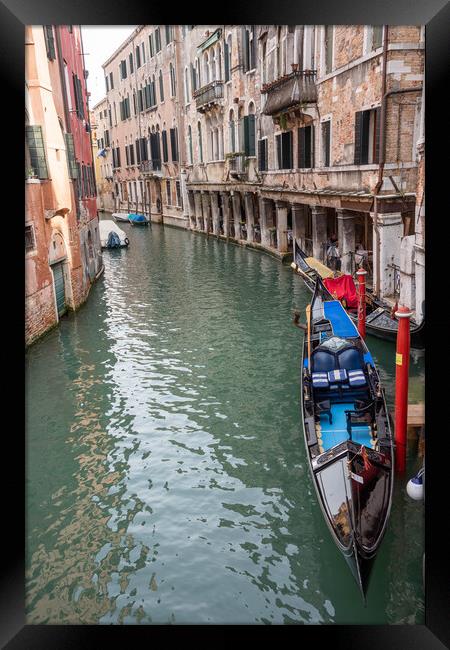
(320, 380)
(323, 361)
(337, 376)
(350, 359)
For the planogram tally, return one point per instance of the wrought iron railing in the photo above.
(208, 94)
(149, 166)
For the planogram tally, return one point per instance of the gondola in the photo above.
(379, 322)
(347, 433)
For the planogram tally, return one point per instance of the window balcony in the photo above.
(290, 92)
(237, 164)
(208, 96)
(150, 166)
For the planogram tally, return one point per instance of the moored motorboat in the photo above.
(120, 216)
(347, 433)
(138, 219)
(379, 321)
(111, 236)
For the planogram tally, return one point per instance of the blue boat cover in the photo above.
(136, 217)
(113, 240)
(342, 324)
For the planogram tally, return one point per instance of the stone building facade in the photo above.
(103, 156)
(62, 244)
(145, 118)
(293, 133)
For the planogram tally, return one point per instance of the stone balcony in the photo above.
(150, 167)
(290, 92)
(208, 96)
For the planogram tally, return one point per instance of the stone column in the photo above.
(390, 228)
(299, 224)
(249, 211)
(264, 211)
(236, 201)
(198, 208)
(282, 210)
(206, 203)
(346, 238)
(319, 230)
(214, 198)
(407, 273)
(191, 208)
(226, 213)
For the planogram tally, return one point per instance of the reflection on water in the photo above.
(166, 475)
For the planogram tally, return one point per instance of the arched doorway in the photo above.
(57, 259)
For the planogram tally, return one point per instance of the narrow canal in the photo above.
(166, 471)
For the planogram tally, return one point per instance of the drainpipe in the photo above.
(381, 160)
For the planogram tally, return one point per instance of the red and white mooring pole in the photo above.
(361, 302)
(401, 385)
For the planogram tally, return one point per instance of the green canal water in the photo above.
(166, 479)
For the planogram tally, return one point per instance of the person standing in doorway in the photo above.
(333, 257)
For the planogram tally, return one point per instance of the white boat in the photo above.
(107, 231)
(120, 216)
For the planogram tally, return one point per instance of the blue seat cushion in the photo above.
(323, 360)
(356, 378)
(320, 380)
(350, 359)
(337, 376)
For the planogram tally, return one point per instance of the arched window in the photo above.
(219, 62)
(173, 86)
(200, 143)
(216, 144)
(206, 69)
(227, 57)
(161, 86)
(190, 145)
(279, 67)
(197, 73)
(232, 134)
(186, 85)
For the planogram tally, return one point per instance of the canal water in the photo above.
(166, 479)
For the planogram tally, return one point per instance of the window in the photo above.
(193, 79)
(131, 154)
(67, 84)
(165, 150)
(106, 134)
(107, 84)
(169, 34)
(143, 52)
(30, 242)
(249, 48)
(367, 136)
(123, 69)
(157, 40)
(174, 144)
(151, 46)
(249, 135)
(173, 85)
(186, 85)
(263, 59)
(377, 36)
(232, 133)
(155, 150)
(200, 143)
(111, 81)
(227, 57)
(284, 150)
(36, 151)
(262, 155)
(306, 147)
(49, 42)
(191, 158)
(138, 57)
(178, 190)
(78, 92)
(161, 86)
(326, 142)
(169, 200)
(130, 58)
(328, 48)
(70, 151)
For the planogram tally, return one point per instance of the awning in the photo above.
(209, 41)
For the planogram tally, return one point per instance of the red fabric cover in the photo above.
(343, 287)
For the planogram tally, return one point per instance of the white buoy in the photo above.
(414, 487)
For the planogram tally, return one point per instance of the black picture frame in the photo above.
(435, 14)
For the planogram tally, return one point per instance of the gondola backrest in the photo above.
(323, 361)
(350, 359)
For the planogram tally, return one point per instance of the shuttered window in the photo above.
(106, 134)
(131, 148)
(284, 150)
(70, 150)
(367, 136)
(49, 42)
(168, 193)
(151, 46)
(138, 57)
(78, 92)
(138, 151)
(164, 146)
(262, 155)
(226, 61)
(36, 151)
(130, 58)
(127, 155)
(111, 81)
(157, 40)
(178, 189)
(328, 48)
(174, 144)
(30, 243)
(306, 147)
(249, 135)
(144, 153)
(194, 79)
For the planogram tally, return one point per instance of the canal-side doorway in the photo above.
(60, 292)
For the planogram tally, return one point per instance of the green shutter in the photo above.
(70, 150)
(358, 137)
(58, 277)
(226, 61)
